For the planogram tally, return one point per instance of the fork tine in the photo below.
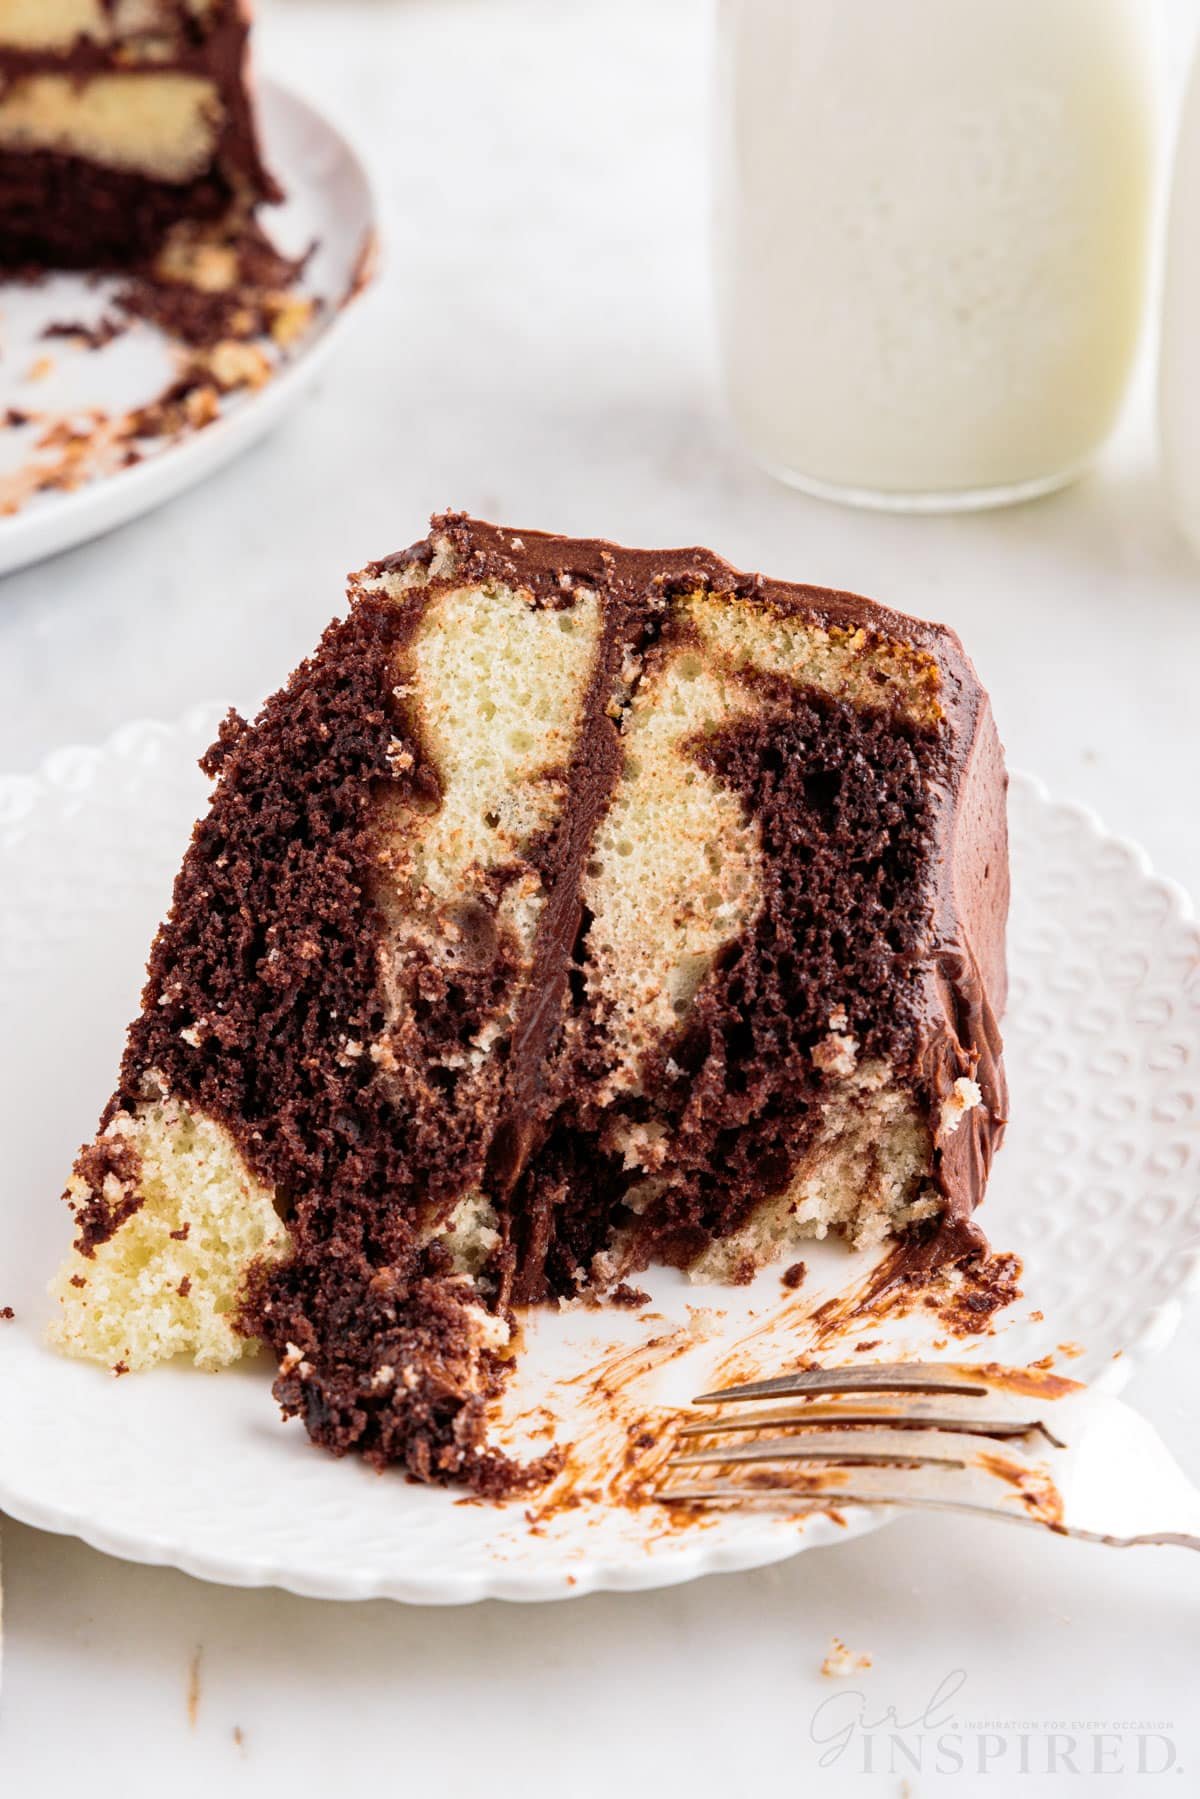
(816, 1416)
(1003, 1492)
(884, 1448)
(715, 1491)
(774, 1498)
(885, 1377)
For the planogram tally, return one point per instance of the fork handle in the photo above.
(1163, 1495)
(1169, 1539)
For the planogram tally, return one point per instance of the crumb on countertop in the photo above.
(841, 1661)
(193, 1684)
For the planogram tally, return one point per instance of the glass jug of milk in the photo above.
(1179, 351)
(931, 238)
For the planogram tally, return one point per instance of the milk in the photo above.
(931, 236)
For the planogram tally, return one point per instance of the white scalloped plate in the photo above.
(329, 203)
(1098, 1188)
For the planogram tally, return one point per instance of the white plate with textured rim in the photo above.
(1097, 1188)
(329, 202)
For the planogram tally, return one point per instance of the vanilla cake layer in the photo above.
(572, 908)
(117, 120)
(158, 27)
(163, 126)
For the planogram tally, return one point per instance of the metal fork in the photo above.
(1014, 1444)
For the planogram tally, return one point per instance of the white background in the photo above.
(540, 353)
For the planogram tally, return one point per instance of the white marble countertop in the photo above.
(540, 352)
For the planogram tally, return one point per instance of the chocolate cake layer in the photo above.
(381, 1064)
(67, 213)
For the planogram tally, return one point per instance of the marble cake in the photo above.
(118, 120)
(572, 908)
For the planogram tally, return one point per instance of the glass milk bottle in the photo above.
(1179, 353)
(931, 238)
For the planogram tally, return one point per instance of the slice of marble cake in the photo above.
(120, 119)
(572, 908)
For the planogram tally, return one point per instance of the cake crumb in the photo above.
(703, 1322)
(290, 317)
(88, 337)
(211, 267)
(837, 1052)
(841, 1662)
(962, 1098)
(639, 1145)
(193, 1685)
(234, 364)
(201, 406)
(7, 1313)
(794, 1276)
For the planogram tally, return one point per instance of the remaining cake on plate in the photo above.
(118, 119)
(572, 908)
